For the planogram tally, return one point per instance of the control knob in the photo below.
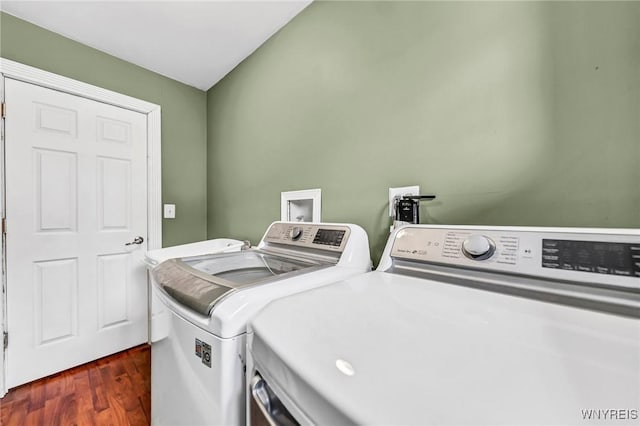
(295, 233)
(478, 247)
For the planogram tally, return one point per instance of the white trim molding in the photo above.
(28, 74)
(3, 283)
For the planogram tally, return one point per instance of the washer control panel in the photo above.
(603, 256)
(324, 237)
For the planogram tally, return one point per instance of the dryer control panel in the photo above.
(317, 236)
(605, 256)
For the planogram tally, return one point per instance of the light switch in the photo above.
(169, 211)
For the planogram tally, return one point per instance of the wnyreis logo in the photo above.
(609, 414)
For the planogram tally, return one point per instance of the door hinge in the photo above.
(3, 110)
(5, 339)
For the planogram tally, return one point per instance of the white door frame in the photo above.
(28, 74)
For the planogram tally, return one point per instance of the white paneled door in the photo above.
(76, 194)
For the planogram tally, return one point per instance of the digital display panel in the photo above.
(592, 256)
(329, 237)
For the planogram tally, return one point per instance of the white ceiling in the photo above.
(195, 42)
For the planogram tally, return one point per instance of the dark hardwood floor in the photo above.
(110, 391)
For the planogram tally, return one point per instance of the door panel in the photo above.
(76, 193)
(114, 193)
(56, 190)
(56, 300)
(56, 119)
(112, 286)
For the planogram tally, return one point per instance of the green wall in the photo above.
(512, 113)
(183, 114)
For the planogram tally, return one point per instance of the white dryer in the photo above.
(198, 369)
(460, 325)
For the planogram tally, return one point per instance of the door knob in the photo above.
(136, 240)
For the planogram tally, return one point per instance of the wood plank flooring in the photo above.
(110, 391)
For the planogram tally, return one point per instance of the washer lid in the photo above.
(218, 245)
(199, 282)
(388, 349)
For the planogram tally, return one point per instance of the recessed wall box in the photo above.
(300, 206)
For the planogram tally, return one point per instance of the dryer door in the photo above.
(266, 409)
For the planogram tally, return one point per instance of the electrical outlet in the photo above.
(404, 190)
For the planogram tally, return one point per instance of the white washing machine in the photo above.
(158, 315)
(460, 326)
(198, 369)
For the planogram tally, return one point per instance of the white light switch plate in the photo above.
(169, 211)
